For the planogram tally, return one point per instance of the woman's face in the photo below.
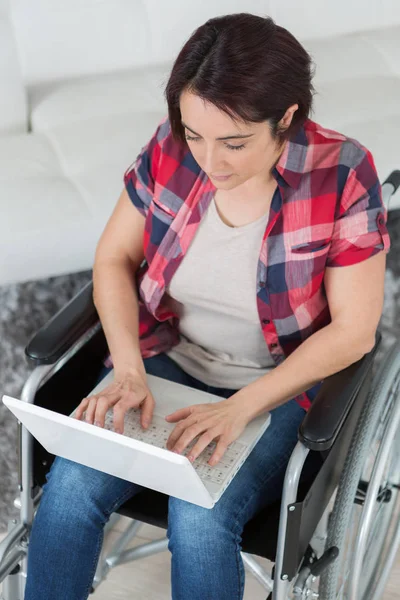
(247, 159)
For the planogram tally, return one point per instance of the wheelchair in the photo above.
(333, 535)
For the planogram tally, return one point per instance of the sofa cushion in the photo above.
(91, 98)
(13, 105)
(23, 156)
(59, 40)
(44, 213)
(95, 154)
(58, 191)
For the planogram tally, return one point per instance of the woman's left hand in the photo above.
(223, 421)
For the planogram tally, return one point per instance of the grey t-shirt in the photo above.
(213, 292)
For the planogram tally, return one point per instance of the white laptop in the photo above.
(140, 455)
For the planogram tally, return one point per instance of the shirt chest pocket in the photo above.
(311, 248)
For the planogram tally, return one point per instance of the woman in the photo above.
(243, 206)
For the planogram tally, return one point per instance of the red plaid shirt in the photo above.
(327, 211)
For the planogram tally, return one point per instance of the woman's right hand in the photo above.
(128, 390)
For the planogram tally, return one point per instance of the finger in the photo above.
(147, 411)
(178, 415)
(195, 417)
(120, 409)
(201, 444)
(178, 430)
(81, 408)
(104, 402)
(187, 436)
(219, 451)
(89, 417)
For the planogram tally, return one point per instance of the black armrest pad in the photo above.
(324, 419)
(64, 329)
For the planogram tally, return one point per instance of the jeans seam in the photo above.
(94, 565)
(241, 581)
(260, 484)
(238, 545)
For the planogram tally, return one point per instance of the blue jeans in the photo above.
(77, 501)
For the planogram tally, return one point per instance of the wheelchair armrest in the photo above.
(64, 329)
(333, 402)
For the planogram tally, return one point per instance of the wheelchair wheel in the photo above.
(364, 523)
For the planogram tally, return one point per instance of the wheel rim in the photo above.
(372, 542)
(383, 529)
(379, 538)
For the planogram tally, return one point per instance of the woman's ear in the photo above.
(284, 123)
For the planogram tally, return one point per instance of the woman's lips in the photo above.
(221, 178)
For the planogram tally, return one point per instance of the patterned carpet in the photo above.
(25, 307)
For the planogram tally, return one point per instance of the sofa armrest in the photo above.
(333, 402)
(64, 329)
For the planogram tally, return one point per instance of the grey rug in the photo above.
(25, 307)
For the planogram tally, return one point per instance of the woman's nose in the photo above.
(211, 162)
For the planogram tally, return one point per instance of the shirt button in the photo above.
(380, 219)
(261, 283)
(266, 321)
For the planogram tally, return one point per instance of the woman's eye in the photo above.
(192, 139)
(235, 147)
(195, 139)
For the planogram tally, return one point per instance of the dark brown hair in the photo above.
(248, 67)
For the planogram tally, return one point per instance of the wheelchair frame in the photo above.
(340, 402)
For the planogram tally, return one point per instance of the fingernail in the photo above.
(97, 423)
(191, 458)
(145, 423)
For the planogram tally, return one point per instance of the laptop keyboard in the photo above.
(158, 433)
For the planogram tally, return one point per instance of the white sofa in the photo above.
(81, 92)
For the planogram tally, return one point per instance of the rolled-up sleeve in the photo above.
(360, 229)
(140, 177)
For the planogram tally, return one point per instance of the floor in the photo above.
(149, 578)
